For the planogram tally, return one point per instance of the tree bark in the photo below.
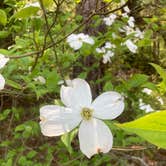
(85, 8)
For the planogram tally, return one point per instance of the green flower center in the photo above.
(86, 113)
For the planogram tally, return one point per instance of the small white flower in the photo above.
(3, 60)
(146, 107)
(147, 91)
(40, 79)
(110, 19)
(131, 22)
(94, 136)
(160, 100)
(76, 40)
(139, 34)
(127, 29)
(109, 45)
(126, 9)
(2, 82)
(107, 56)
(100, 50)
(125, 15)
(131, 46)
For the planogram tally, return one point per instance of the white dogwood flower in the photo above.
(76, 40)
(147, 91)
(110, 19)
(131, 22)
(100, 50)
(2, 82)
(109, 45)
(107, 56)
(146, 107)
(131, 46)
(160, 100)
(125, 15)
(139, 33)
(3, 60)
(126, 9)
(94, 135)
(107, 53)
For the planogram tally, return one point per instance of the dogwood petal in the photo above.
(131, 46)
(2, 82)
(88, 39)
(94, 137)
(57, 120)
(3, 60)
(74, 41)
(108, 105)
(77, 95)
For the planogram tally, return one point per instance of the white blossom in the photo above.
(128, 30)
(160, 100)
(2, 82)
(146, 107)
(147, 91)
(76, 40)
(79, 110)
(131, 46)
(125, 15)
(131, 22)
(3, 60)
(109, 45)
(110, 19)
(100, 50)
(107, 53)
(126, 9)
(139, 33)
(107, 56)
(40, 79)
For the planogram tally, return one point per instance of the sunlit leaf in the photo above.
(151, 127)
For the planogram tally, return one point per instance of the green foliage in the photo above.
(151, 127)
(26, 12)
(3, 17)
(68, 138)
(25, 39)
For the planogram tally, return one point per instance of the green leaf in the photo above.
(48, 3)
(151, 127)
(3, 17)
(26, 12)
(136, 81)
(160, 71)
(4, 114)
(4, 34)
(67, 139)
(108, 86)
(13, 84)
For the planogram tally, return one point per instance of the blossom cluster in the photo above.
(107, 51)
(76, 40)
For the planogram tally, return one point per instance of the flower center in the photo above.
(86, 113)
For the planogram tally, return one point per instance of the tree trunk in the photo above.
(85, 8)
